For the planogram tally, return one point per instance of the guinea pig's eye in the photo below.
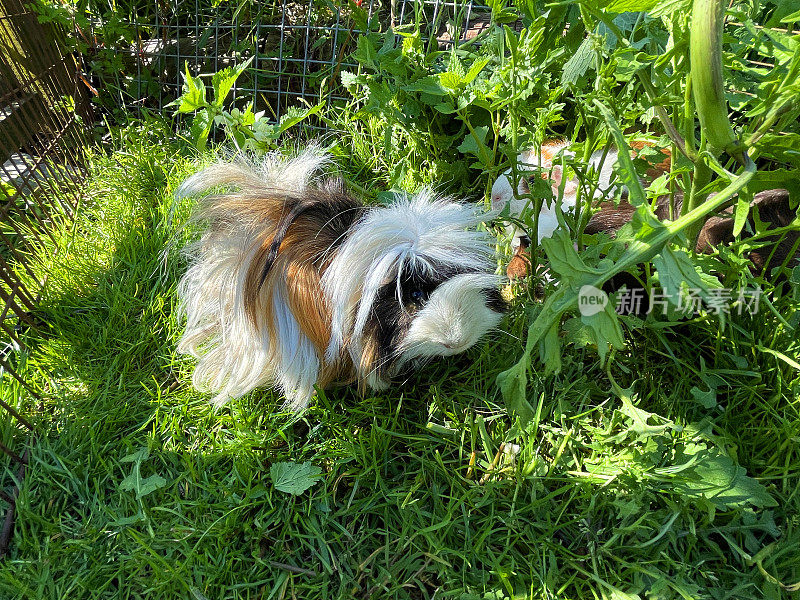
(418, 296)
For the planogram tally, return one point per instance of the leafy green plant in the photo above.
(443, 115)
(246, 129)
(463, 115)
(649, 239)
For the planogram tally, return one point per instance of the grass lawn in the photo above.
(684, 485)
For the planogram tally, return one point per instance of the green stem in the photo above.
(688, 116)
(662, 115)
(705, 52)
(638, 251)
(701, 177)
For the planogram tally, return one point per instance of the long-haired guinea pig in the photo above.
(296, 283)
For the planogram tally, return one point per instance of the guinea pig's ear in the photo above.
(557, 178)
(556, 175)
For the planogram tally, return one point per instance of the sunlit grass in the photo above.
(422, 493)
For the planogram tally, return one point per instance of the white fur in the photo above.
(234, 356)
(272, 171)
(421, 232)
(413, 232)
(454, 318)
(503, 194)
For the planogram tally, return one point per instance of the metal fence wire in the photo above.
(297, 48)
(127, 58)
(44, 116)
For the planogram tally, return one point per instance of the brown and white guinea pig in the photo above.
(296, 283)
(542, 162)
(774, 208)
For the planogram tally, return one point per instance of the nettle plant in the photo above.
(247, 130)
(623, 65)
(714, 172)
(445, 115)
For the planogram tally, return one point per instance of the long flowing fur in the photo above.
(239, 321)
(422, 233)
(287, 287)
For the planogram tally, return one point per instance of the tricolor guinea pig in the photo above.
(295, 283)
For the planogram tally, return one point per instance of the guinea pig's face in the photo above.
(454, 317)
(439, 313)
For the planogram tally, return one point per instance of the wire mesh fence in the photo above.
(297, 48)
(44, 115)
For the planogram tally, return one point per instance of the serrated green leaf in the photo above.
(578, 63)
(665, 8)
(450, 81)
(194, 93)
(603, 326)
(470, 145)
(639, 418)
(565, 261)
(550, 351)
(717, 478)
(222, 81)
(430, 84)
(150, 484)
(455, 66)
(511, 39)
(677, 272)
(293, 478)
(605, 330)
(350, 79)
(295, 115)
(474, 70)
(512, 383)
(142, 487)
(366, 53)
(446, 108)
(201, 128)
(626, 170)
(577, 333)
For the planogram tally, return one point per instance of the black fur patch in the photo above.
(494, 300)
(392, 312)
(329, 212)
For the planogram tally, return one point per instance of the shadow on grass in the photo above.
(139, 489)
